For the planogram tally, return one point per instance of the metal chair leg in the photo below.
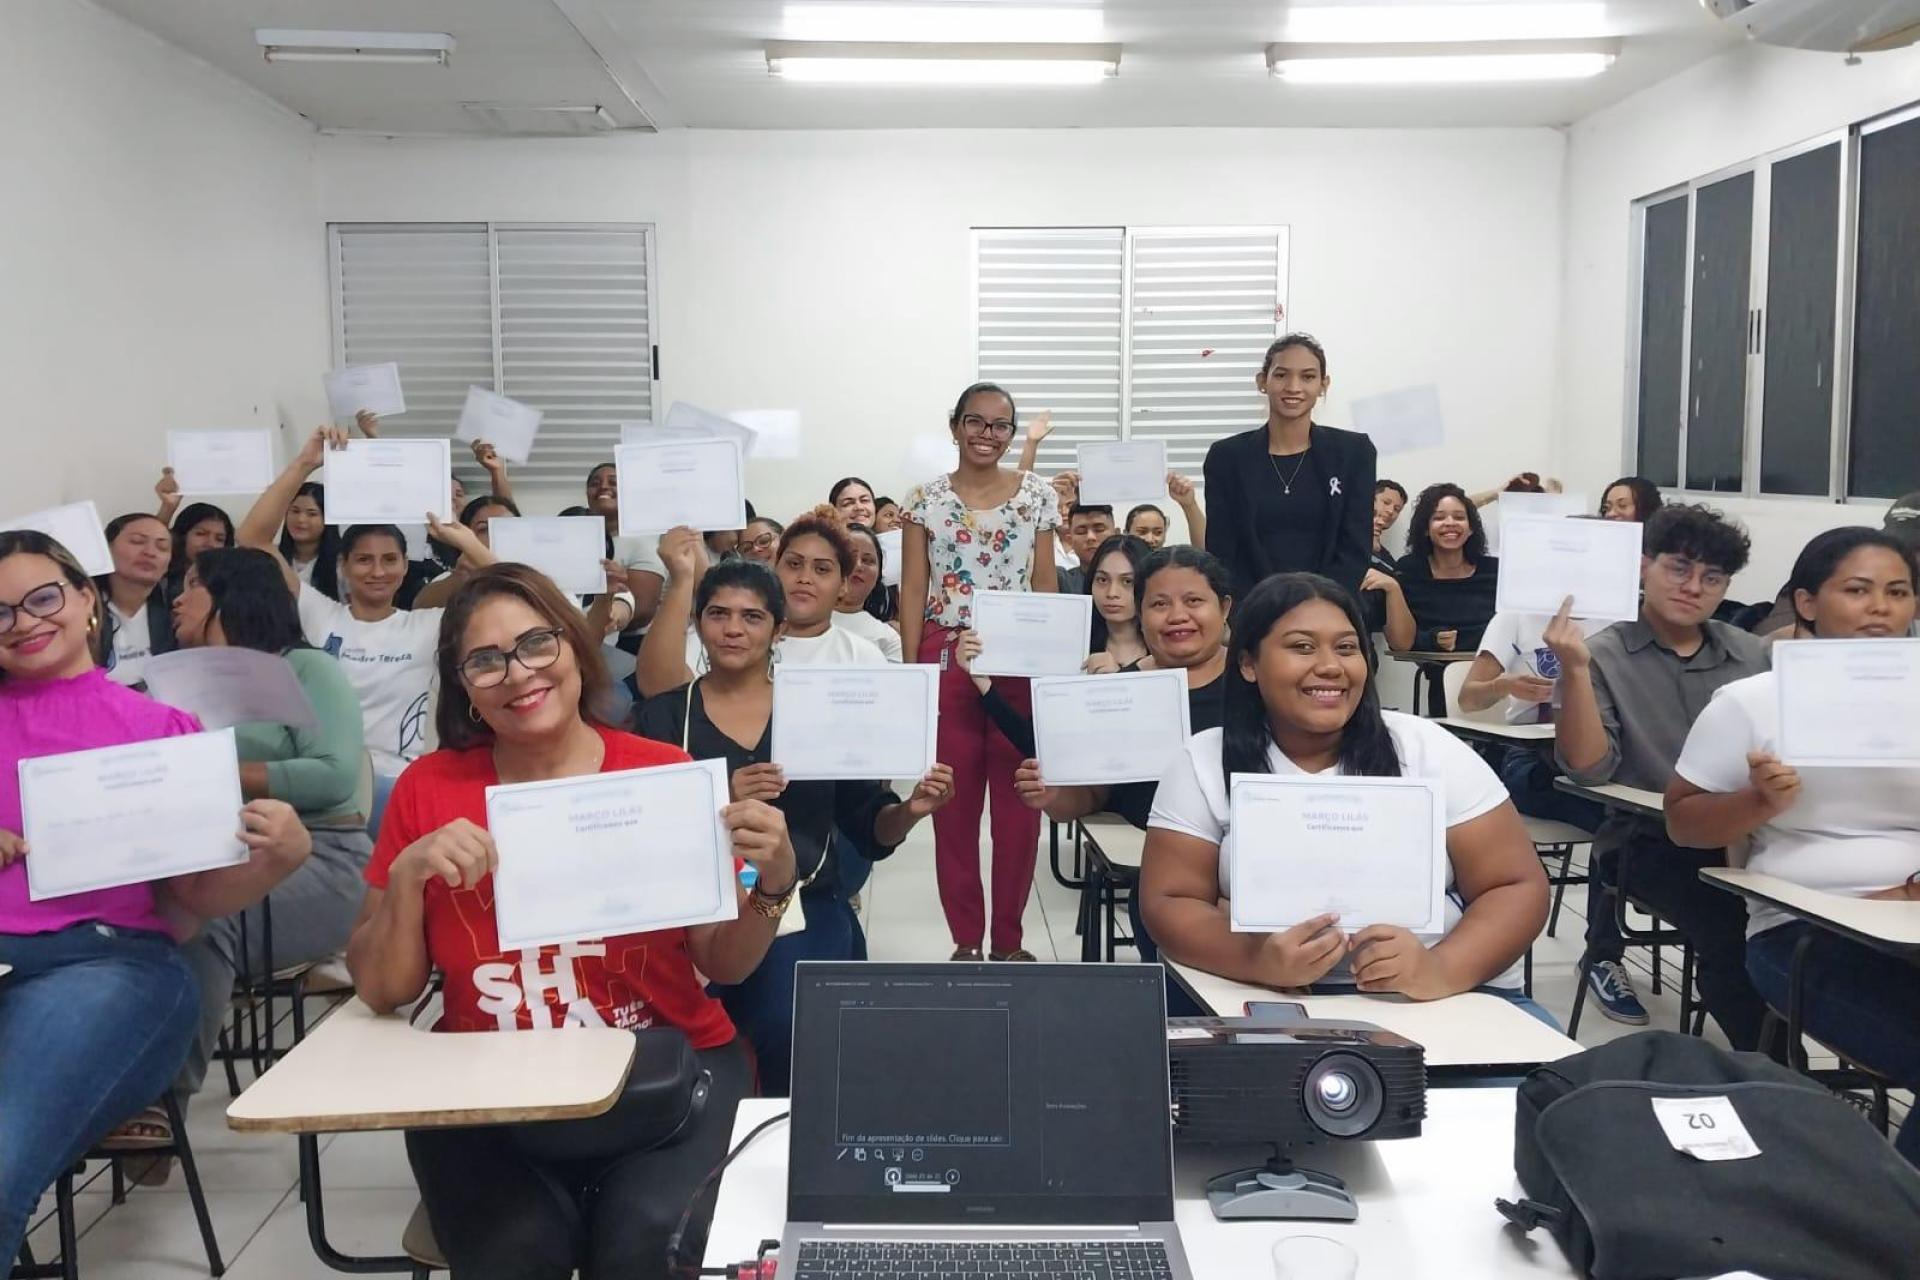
(1560, 889)
(69, 1228)
(1580, 972)
(184, 1150)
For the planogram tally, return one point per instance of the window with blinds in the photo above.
(558, 317)
(1130, 333)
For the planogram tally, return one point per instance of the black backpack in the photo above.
(1827, 1198)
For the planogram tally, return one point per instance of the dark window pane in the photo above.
(1803, 245)
(1663, 305)
(1884, 459)
(1717, 349)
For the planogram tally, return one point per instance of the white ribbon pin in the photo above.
(1333, 486)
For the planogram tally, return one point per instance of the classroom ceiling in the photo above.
(702, 63)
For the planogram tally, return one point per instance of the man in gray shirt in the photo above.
(1628, 697)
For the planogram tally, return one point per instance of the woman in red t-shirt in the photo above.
(519, 675)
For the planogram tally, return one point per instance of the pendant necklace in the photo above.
(1286, 482)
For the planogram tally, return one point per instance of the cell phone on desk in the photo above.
(1287, 1009)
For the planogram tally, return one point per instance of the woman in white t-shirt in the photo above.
(386, 652)
(1846, 831)
(1300, 699)
(850, 614)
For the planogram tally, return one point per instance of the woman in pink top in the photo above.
(97, 1012)
(982, 528)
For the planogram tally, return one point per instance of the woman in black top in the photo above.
(1447, 578)
(727, 714)
(1291, 495)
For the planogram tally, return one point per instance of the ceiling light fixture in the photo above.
(1444, 63)
(1438, 23)
(943, 64)
(400, 48)
(953, 23)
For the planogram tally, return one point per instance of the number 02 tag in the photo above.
(1705, 1128)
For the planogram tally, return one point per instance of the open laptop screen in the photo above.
(955, 1093)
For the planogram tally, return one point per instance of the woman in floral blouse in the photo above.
(983, 528)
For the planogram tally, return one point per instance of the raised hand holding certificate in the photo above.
(1031, 633)
(698, 483)
(388, 482)
(855, 722)
(1090, 731)
(76, 526)
(1369, 850)
(364, 388)
(1118, 473)
(126, 815)
(507, 425)
(1849, 703)
(567, 549)
(611, 854)
(221, 461)
(1545, 559)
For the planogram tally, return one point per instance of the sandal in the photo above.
(150, 1129)
(966, 953)
(1018, 954)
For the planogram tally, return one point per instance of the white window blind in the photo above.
(558, 317)
(1125, 333)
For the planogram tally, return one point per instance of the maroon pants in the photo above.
(982, 760)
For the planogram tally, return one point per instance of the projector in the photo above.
(1290, 1082)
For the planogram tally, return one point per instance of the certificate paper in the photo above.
(221, 461)
(698, 483)
(388, 482)
(891, 554)
(1542, 504)
(611, 853)
(76, 527)
(370, 388)
(1090, 731)
(1119, 473)
(776, 432)
(847, 722)
(1370, 850)
(507, 425)
(567, 549)
(125, 815)
(1545, 559)
(1849, 703)
(1031, 633)
(224, 685)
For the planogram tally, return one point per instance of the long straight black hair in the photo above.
(325, 577)
(1136, 551)
(251, 599)
(1366, 746)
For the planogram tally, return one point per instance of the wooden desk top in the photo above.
(1894, 925)
(1469, 1030)
(359, 1070)
(1496, 731)
(1648, 804)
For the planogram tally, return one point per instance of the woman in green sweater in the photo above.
(239, 597)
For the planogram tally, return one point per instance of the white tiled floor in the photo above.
(260, 1221)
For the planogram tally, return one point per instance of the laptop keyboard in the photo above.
(966, 1260)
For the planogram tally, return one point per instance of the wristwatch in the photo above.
(767, 905)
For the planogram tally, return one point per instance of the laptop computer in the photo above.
(980, 1120)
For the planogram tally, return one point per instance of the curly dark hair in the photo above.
(1420, 533)
(1699, 533)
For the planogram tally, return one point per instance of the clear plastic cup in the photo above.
(1314, 1258)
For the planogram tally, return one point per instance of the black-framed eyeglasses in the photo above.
(42, 602)
(764, 542)
(975, 425)
(536, 651)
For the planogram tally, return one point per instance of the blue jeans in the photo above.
(1861, 1003)
(1529, 774)
(761, 1005)
(94, 1022)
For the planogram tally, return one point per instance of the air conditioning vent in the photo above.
(1830, 26)
(556, 120)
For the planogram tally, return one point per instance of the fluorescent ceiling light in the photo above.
(951, 23)
(398, 47)
(1411, 23)
(943, 64)
(1446, 63)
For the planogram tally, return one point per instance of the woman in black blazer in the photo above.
(1291, 496)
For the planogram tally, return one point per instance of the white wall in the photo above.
(161, 261)
(1750, 101)
(830, 272)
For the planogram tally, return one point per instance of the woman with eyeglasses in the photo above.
(759, 539)
(386, 651)
(1853, 832)
(981, 527)
(138, 624)
(738, 610)
(237, 598)
(521, 692)
(99, 1008)
(854, 612)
